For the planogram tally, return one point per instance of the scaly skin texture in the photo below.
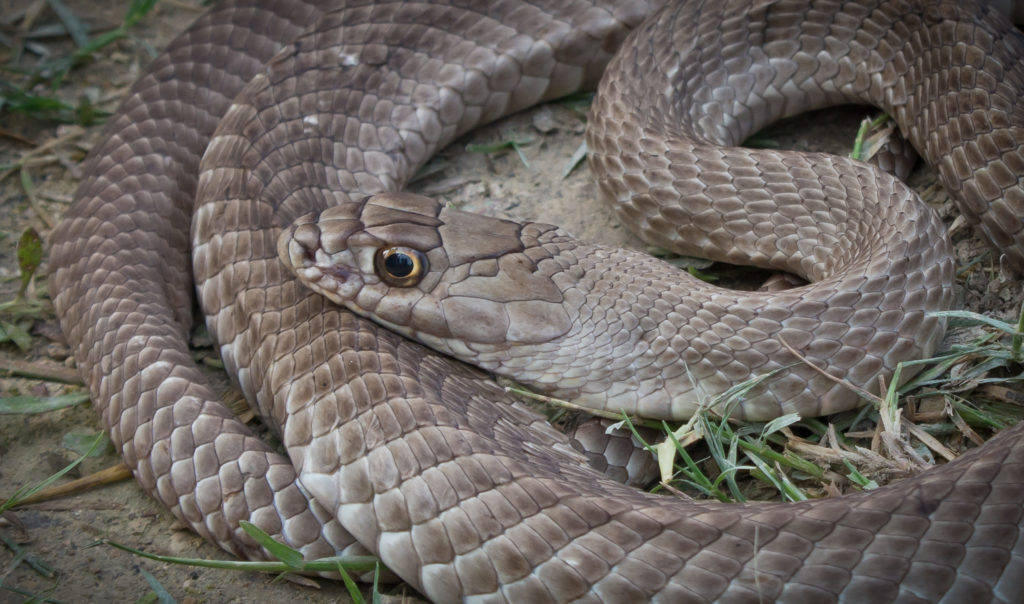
(421, 459)
(119, 263)
(619, 331)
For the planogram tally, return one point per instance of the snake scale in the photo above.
(407, 454)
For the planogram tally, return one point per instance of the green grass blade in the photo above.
(162, 595)
(577, 158)
(351, 587)
(376, 585)
(76, 29)
(137, 10)
(1018, 338)
(82, 443)
(859, 479)
(350, 563)
(28, 490)
(966, 317)
(24, 405)
(282, 552)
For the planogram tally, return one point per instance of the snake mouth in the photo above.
(339, 273)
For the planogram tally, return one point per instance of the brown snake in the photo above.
(423, 461)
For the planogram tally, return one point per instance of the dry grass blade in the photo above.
(109, 475)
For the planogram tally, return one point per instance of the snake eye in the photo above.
(400, 266)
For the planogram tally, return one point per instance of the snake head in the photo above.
(430, 272)
(317, 260)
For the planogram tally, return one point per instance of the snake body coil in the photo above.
(407, 454)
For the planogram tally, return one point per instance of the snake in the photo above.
(274, 132)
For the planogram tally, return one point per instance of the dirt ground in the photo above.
(61, 532)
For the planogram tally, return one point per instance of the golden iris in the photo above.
(400, 266)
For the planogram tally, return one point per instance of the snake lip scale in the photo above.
(266, 111)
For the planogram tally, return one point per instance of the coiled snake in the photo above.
(422, 460)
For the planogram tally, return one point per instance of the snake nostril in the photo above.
(304, 242)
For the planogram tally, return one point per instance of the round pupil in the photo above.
(399, 264)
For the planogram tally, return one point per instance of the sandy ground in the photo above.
(61, 532)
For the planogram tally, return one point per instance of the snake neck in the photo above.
(615, 329)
